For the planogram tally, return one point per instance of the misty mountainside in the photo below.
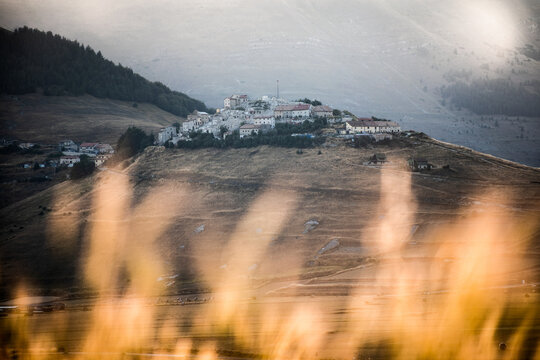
(406, 60)
(385, 57)
(409, 61)
(372, 57)
(32, 60)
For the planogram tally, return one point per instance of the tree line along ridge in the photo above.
(33, 59)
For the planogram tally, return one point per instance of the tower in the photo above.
(277, 86)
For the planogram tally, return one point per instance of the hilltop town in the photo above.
(248, 117)
(241, 122)
(240, 117)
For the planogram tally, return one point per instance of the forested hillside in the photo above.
(34, 59)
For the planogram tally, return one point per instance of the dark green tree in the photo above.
(83, 168)
(131, 142)
(222, 130)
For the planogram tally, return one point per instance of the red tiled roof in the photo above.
(322, 108)
(285, 107)
(89, 144)
(249, 126)
(301, 107)
(293, 107)
(372, 123)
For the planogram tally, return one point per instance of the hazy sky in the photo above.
(328, 49)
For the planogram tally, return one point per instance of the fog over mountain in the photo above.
(384, 58)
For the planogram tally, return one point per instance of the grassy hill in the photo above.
(49, 119)
(219, 243)
(219, 188)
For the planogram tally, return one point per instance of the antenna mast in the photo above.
(277, 89)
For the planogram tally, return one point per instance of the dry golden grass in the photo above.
(430, 265)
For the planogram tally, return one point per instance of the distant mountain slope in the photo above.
(49, 119)
(34, 59)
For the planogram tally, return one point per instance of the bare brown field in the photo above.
(50, 119)
(441, 264)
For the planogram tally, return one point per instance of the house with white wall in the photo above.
(283, 111)
(188, 126)
(370, 126)
(101, 158)
(199, 118)
(322, 111)
(104, 148)
(166, 134)
(264, 120)
(88, 148)
(69, 160)
(235, 101)
(68, 145)
(301, 111)
(249, 129)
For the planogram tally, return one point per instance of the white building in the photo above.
(370, 126)
(69, 160)
(166, 134)
(101, 158)
(249, 129)
(88, 148)
(104, 149)
(199, 118)
(283, 111)
(265, 120)
(178, 138)
(292, 111)
(188, 126)
(26, 145)
(68, 145)
(322, 111)
(235, 101)
(301, 111)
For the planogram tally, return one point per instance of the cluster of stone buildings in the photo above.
(251, 116)
(72, 152)
(248, 116)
